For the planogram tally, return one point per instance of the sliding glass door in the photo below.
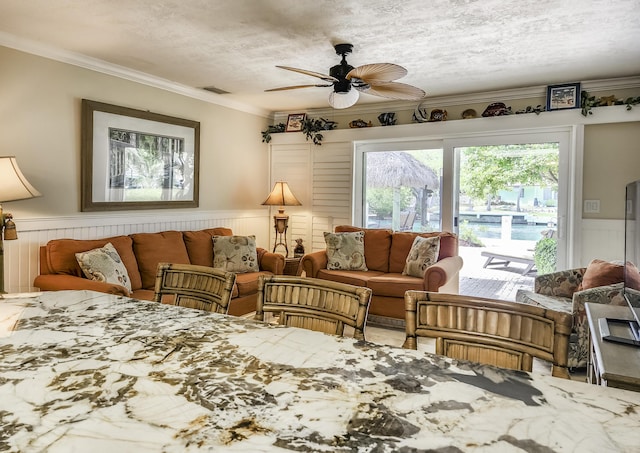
(501, 193)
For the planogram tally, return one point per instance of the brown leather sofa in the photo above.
(385, 253)
(141, 253)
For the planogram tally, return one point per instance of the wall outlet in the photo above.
(591, 206)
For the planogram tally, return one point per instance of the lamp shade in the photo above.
(281, 195)
(13, 185)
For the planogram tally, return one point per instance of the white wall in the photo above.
(40, 104)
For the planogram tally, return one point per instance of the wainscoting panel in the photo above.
(21, 257)
(602, 239)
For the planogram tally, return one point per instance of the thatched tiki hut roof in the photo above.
(399, 169)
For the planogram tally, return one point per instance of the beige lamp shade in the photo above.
(13, 185)
(281, 195)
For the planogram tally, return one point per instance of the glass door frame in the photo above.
(569, 175)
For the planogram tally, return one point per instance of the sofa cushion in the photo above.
(104, 265)
(357, 278)
(199, 245)
(153, 248)
(235, 253)
(345, 251)
(601, 273)
(423, 253)
(61, 256)
(401, 243)
(394, 285)
(377, 244)
(247, 283)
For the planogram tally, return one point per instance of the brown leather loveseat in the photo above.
(385, 253)
(140, 254)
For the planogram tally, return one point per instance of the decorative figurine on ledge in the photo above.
(387, 119)
(298, 252)
(359, 123)
(438, 115)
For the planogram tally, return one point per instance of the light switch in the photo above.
(591, 206)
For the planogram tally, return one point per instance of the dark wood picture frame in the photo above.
(564, 96)
(134, 159)
(294, 122)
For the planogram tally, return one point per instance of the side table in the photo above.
(292, 266)
(611, 364)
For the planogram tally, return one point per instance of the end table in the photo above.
(292, 266)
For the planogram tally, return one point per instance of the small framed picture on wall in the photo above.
(294, 122)
(565, 96)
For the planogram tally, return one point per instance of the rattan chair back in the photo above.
(314, 304)
(192, 286)
(494, 332)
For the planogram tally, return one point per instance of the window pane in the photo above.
(402, 189)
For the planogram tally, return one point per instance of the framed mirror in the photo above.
(134, 159)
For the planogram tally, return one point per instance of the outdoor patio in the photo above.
(495, 282)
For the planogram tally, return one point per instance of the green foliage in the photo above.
(485, 170)
(380, 200)
(545, 255)
(266, 134)
(311, 129)
(588, 102)
(467, 236)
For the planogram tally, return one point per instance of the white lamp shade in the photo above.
(281, 195)
(343, 100)
(13, 185)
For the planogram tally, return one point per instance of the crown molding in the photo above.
(94, 64)
(469, 98)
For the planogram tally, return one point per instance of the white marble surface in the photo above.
(90, 372)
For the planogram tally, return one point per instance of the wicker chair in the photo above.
(494, 332)
(201, 287)
(314, 304)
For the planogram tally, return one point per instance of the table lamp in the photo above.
(281, 196)
(13, 186)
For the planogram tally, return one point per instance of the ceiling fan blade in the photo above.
(325, 77)
(380, 72)
(394, 90)
(295, 87)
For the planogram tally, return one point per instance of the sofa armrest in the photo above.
(560, 283)
(313, 262)
(443, 274)
(59, 282)
(272, 262)
(609, 294)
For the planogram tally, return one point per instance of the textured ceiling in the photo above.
(448, 47)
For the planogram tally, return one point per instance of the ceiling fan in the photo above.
(377, 79)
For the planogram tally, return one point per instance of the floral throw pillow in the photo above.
(104, 265)
(424, 252)
(345, 251)
(235, 253)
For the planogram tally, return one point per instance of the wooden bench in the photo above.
(495, 258)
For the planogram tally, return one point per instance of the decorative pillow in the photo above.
(235, 253)
(345, 251)
(104, 265)
(602, 273)
(424, 252)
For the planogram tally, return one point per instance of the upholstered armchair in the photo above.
(567, 291)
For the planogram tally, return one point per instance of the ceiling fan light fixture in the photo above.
(342, 100)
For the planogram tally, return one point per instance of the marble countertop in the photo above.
(91, 372)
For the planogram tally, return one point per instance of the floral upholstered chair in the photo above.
(567, 291)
